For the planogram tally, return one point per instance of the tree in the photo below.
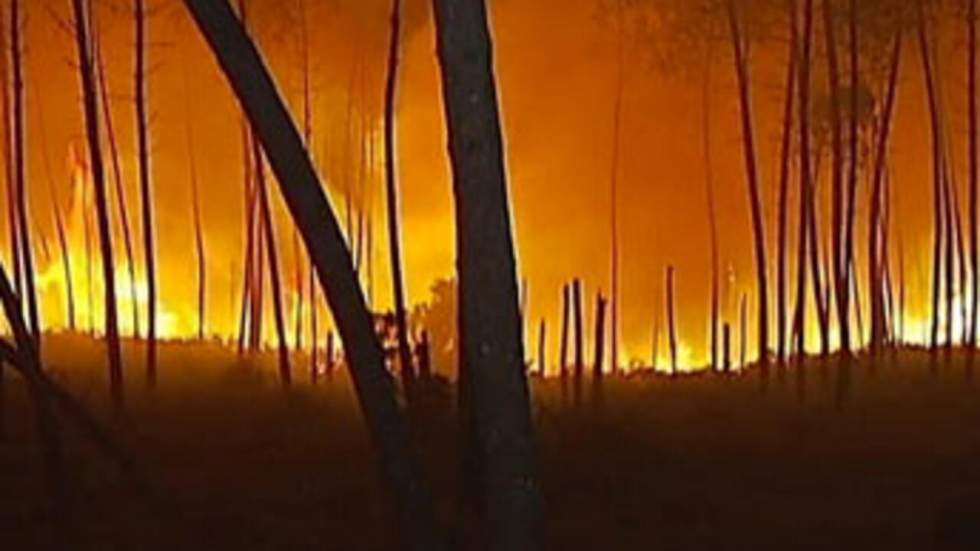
(974, 172)
(742, 72)
(91, 112)
(146, 189)
(314, 217)
(490, 321)
(782, 236)
(391, 189)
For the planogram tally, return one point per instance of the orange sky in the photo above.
(555, 61)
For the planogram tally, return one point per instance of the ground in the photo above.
(882, 455)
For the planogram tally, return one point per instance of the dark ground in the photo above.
(699, 462)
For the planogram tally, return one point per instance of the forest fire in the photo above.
(622, 266)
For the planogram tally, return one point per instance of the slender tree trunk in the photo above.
(8, 159)
(563, 352)
(391, 189)
(91, 108)
(117, 181)
(974, 173)
(784, 177)
(20, 176)
(748, 139)
(743, 332)
(847, 258)
(146, 191)
(874, 226)
(579, 345)
(542, 364)
(267, 225)
(837, 180)
(712, 214)
(671, 320)
(600, 339)
(806, 187)
(202, 269)
(490, 327)
(313, 215)
(614, 196)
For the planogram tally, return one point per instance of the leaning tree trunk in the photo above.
(146, 192)
(784, 177)
(20, 175)
(491, 323)
(752, 176)
(391, 190)
(313, 215)
(91, 108)
(121, 207)
(875, 287)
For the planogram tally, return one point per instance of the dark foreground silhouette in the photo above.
(892, 461)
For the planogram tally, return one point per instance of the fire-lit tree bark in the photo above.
(599, 349)
(752, 176)
(671, 320)
(324, 241)
(937, 170)
(91, 109)
(28, 292)
(782, 237)
(146, 190)
(563, 349)
(117, 179)
(875, 270)
(974, 172)
(715, 300)
(490, 330)
(391, 191)
(806, 185)
(8, 161)
(542, 336)
(579, 345)
(836, 254)
(202, 267)
(848, 275)
(267, 227)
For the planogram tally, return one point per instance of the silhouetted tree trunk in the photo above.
(748, 139)
(490, 321)
(267, 225)
(671, 320)
(314, 217)
(8, 162)
(712, 214)
(91, 109)
(28, 292)
(146, 190)
(937, 168)
(563, 350)
(836, 254)
(974, 172)
(875, 287)
(727, 348)
(784, 177)
(600, 339)
(117, 180)
(579, 336)
(743, 332)
(806, 186)
(542, 364)
(614, 197)
(391, 189)
(330, 355)
(202, 267)
(849, 277)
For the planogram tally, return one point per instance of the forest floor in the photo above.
(875, 456)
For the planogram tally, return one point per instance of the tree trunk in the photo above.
(314, 217)
(836, 254)
(874, 230)
(542, 364)
(146, 192)
(563, 351)
(600, 339)
(579, 345)
(490, 321)
(671, 320)
(712, 211)
(614, 198)
(743, 332)
(20, 175)
(784, 177)
(974, 173)
(117, 181)
(748, 139)
(848, 277)
(267, 225)
(937, 172)
(806, 186)
(391, 189)
(91, 108)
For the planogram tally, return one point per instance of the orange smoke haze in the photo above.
(556, 65)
